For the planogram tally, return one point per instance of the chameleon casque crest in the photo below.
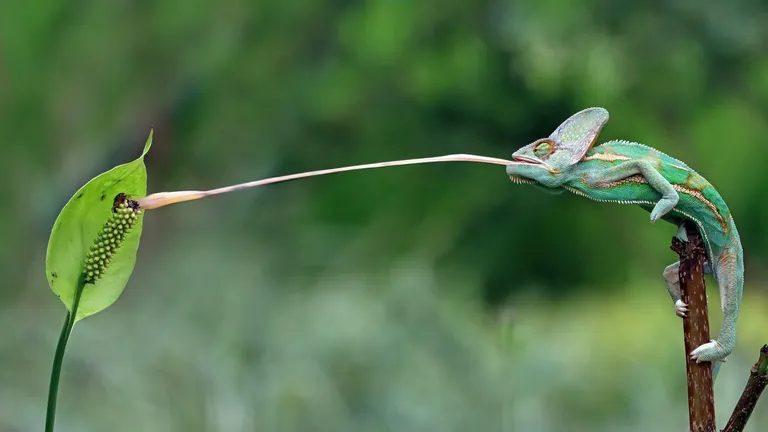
(625, 172)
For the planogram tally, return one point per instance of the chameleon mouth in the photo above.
(526, 160)
(523, 160)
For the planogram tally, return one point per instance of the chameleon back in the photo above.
(699, 201)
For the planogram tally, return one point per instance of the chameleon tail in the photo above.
(716, 368)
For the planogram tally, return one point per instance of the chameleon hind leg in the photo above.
(730, 280)
(672, 278)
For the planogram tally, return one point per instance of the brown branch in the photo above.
(758, 378)
(701, 399)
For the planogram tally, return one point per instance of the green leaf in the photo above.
(76, 228)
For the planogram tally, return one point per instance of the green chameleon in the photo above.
(630, 173)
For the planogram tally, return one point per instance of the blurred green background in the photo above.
(424, 298)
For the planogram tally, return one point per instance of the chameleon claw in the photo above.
(656, 215)
(681, 309)
(711, 351)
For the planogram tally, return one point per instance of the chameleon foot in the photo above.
(711, 351)
(681, 309)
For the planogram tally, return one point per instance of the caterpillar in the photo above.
(125, 214)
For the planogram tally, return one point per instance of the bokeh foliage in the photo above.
(371, 300)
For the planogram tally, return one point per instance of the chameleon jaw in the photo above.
(525, 161)
(520, 180)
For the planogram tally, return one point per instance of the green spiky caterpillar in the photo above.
(125, 214)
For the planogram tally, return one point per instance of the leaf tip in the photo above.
(148, 144)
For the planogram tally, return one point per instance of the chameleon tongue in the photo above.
(161, 199)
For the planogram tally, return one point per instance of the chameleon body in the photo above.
(630, 173)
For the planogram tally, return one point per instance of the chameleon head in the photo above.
(545, 160)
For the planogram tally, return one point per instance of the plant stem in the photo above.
(58, 357)
(758, 380)
(701, 400)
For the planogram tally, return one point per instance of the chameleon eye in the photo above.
(542, 149)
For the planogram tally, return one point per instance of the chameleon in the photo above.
(627, 172)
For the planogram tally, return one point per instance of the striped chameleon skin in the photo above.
(626, 172)
(699, 201)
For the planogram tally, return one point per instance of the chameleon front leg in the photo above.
(669, 196)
